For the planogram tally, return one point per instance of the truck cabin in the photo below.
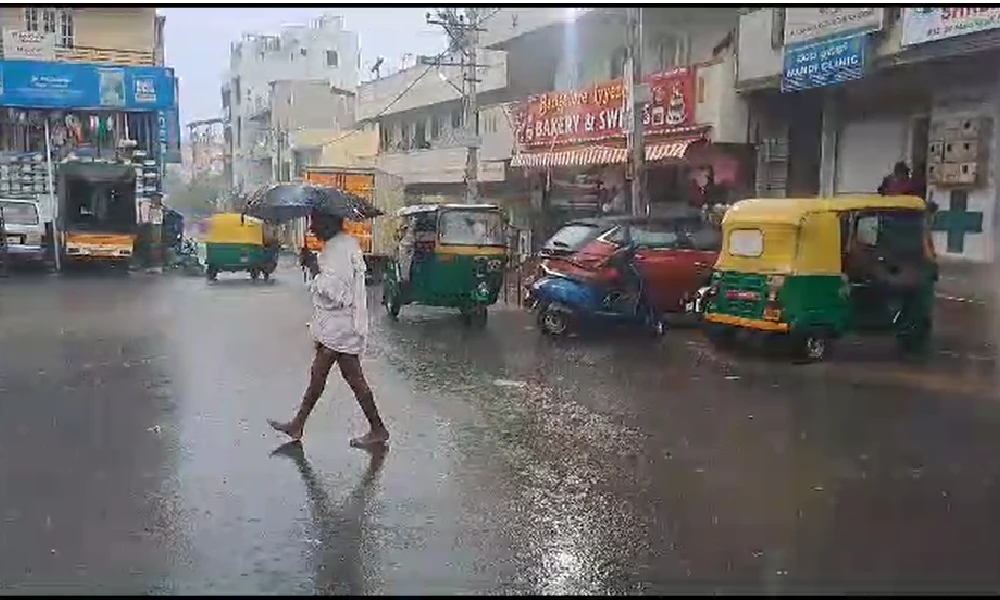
(98, 197)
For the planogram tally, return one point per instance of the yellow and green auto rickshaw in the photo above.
(235, 243)
(809, 271)
(449, 255)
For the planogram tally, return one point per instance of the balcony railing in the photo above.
(107, 56)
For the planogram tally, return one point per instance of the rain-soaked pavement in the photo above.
(135, 455)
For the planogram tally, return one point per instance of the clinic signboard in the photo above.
(822, 64)
(808, 24)
(930, 24)
(29, 45)
(38, 84)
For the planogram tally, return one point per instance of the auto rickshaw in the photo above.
(809, 271)
(449, 255)
(235, 243)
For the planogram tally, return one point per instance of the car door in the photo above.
(657, 260)
(697, 249)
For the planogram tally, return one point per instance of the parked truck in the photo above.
(97, 212)
(377, 237)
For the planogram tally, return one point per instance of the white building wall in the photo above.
(296, 53)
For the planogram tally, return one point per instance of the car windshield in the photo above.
(19, 213)
(472, 228)
(572, 237)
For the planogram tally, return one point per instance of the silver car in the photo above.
(24, 230)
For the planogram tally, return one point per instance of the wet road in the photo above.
(135, 456)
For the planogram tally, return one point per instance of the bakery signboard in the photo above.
(598, 113)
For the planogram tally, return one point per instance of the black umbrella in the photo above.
(287, 201)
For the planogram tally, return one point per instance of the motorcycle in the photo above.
(563, 303)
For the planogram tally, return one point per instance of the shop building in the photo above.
(837, 99)
(571, 139)
(84, 82)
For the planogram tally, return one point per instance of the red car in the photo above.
(675, 253)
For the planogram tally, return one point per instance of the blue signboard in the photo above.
(33, 84)
(819, 64)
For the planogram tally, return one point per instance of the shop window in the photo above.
(457, 117)
(332, 59)
(667, 52)
(67, 30)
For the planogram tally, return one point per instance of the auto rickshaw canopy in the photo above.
(234, 228)
(795, 236)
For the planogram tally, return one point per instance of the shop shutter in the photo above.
(867, 149)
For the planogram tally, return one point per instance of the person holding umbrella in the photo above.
(339, 327)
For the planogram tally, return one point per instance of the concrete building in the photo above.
(320, 51)
(300, 106)
(205, 149)
(118, 35)
(919, 85)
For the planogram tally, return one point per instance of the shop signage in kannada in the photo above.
(821, 64)
(562, 118)
(29, 45)
(930, 24)
(813, 23)
(37, 84)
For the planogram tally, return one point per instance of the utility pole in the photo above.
(463, 33)
(633, 82)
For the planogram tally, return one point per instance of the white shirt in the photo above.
(340, 311)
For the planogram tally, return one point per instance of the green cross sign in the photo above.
(957, 221)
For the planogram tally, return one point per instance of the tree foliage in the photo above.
(200, 195)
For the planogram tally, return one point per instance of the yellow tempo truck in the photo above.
(377, 237)
(97, 212)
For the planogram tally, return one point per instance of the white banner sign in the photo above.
(929, 24)
(807, 23)
(28, 45)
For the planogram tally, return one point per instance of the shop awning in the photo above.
(600, 155)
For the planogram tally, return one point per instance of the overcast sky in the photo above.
(197, 42)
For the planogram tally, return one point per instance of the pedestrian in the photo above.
(899, 182)
(339, 327)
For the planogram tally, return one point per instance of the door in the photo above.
(698, 246)
(658, 261)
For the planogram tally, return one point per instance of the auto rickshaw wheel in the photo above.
(391, 302)
(267, 276)
(476, 316)
(212, 273)
(811, 346)
(915, 339)
(254, 274)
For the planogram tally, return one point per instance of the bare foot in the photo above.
(289, 429)
(372, 438)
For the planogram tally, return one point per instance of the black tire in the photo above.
(391, 303)
(720, 335)
(267, 276)
(211, 273)
(553, 322)
(476, 316)
(811, 346)
(254, 274)
(916, 340)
